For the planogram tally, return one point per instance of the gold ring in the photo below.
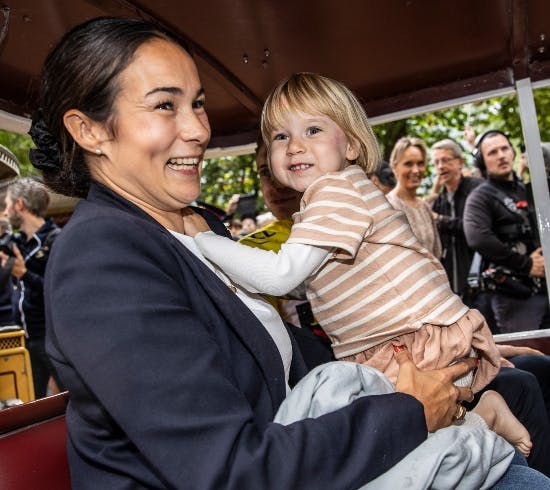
(460, 412)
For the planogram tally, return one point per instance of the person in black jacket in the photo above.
(448, 210)
(26, 202)
(499, 223)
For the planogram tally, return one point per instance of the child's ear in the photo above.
(352, 151)
(87, 133)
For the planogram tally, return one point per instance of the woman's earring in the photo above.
(98, 151)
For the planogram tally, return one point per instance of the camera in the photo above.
(504, 281)
(7, 241)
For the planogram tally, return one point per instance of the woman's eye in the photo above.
(199, 104)
(313, 130)
(165, 106)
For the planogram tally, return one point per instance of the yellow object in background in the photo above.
(15, 366)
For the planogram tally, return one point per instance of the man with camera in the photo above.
(499, 224)
(27, 252)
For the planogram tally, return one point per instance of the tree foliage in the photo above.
(223, 177)
(19, 144)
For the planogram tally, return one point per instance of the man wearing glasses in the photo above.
(448, 209)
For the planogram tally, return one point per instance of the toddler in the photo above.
(371, 284)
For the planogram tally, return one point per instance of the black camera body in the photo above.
(7, 241)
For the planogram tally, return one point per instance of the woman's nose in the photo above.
(194, 127)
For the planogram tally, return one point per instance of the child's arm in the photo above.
(262, 271)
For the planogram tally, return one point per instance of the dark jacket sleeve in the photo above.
(479, 215)
(35, 281)
(449, 225)
(163, 391)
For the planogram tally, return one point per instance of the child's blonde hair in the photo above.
(312, 93)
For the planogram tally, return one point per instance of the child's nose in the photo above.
(295, 145)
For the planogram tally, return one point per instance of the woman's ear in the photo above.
(87, 133)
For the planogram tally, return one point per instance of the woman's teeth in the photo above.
(177, 163)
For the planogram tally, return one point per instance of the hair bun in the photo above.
(47, 155)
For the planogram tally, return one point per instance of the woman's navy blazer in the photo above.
(174, 383)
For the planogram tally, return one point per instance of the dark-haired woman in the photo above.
(175, 375)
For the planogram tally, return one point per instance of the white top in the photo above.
(261, 309)
(263, 271)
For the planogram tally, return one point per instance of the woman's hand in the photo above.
(193, 222)
(434, 388)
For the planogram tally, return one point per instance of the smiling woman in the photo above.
(408, 162)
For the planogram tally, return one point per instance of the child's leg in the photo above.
(494, 410)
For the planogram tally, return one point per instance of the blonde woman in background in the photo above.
(408, 162)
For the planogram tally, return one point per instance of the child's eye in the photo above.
(279, 137)
(313, 130)
(199, 103)
(167, 105)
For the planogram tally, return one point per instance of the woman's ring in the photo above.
(460, 412)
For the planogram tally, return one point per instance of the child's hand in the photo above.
(193, 223)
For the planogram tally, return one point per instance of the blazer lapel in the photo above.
(243, 322)
(239, 318)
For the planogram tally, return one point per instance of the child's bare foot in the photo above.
(499, 418)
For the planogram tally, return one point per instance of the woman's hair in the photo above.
(313, 93)
(82, 72)
(403, 144)
(449, 145)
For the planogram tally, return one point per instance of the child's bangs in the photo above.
(295, 95)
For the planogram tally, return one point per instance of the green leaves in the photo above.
(19, 145)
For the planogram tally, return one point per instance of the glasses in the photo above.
(444, 161)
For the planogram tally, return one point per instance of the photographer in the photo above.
(499, 224)
(26, 204)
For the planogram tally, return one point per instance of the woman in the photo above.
(408, 162)
(174, 383)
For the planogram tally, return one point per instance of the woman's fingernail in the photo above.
(398, 348)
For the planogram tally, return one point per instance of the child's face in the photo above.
(307, 146)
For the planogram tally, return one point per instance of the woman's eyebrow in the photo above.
(173, 91)
(170, 90)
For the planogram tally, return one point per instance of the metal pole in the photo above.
(539, 179)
